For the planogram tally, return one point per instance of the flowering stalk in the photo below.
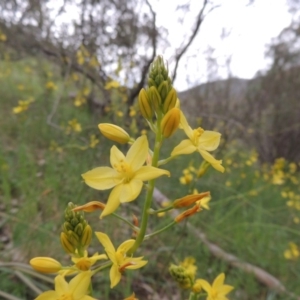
(149, 195)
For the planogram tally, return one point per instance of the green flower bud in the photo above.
(180, 275)
(170, 101)
(66, 244)
(155, 98)
(163, 90)
(144, 105)
(86, 236)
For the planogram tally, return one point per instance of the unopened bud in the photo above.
(163, 90)
(90, 206)
(170, 122)
(86, 236)
(155, 98)
(66, 244)
(189, 200)
(45, 265)
(145, 105)
(170, 101)
(196, 208)
(114, 133)
(180, 275)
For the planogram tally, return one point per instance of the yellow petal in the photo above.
(184, 147)
(49, 295)
(137, 154)
(113, 201)
(147, 173)
(205, 285)
(185, 126)
(116, 156)
(125, 246)
(209, 140)
(219, 281)
(137, 264)
(107, 244)
(114, 275)
(130, 190)
(225, 289)
(79, 284)
(61, 286)
(217, 164)
(101, 178)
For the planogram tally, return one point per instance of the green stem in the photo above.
(160, 230)
(154, 212)
(104, 266)
(166, 160)
(149, 194)
(193, 296)
(134, 228)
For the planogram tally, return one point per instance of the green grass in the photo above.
(248, 217)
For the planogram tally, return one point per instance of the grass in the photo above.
(248, 218)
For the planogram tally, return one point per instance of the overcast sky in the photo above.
(250, 28)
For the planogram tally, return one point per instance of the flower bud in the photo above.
(197, 288)
(163, 90)
(155, 98)
(189, 212)
(170, 122)
(90, 206)
(66, 244)
(86, 236)
(45, 265)
(189, 200)
(114, 133)
(144, 104)
(170, 101)
(180, 275)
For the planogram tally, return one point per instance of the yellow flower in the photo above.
(22, 106)
(93, 141)
(50, 85)
(131, 297)
(216, 291)
(84, 263)
(293, 252)
(77, 289)
(126, 175)
(119, 259)
(74, 125)
(199, 140)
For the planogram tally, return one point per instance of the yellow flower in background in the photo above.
(293, 252)
(131, 297)
(216, 291)
(119, 259)
(187, 177)
(189, 265)
(126, 175)
(74, 126)
(23, 105)
(51, 86)
(112, 85)
(93, 141)
(199, 140)
(55, 147)
(76, 289)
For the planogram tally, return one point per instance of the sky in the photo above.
(249, 28)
